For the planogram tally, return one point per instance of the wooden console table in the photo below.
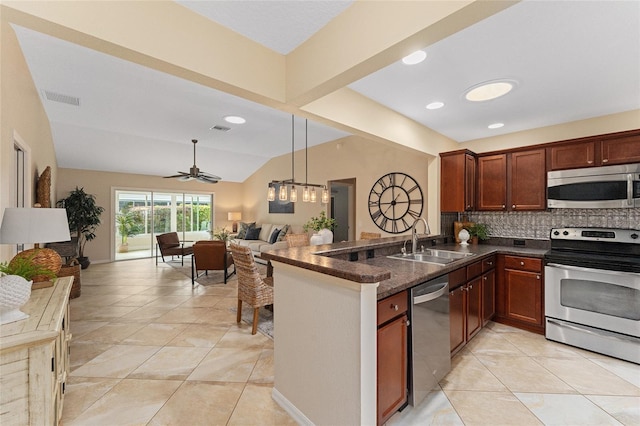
(34, 358)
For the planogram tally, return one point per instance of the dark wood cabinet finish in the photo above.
(488, 296)
(392, 355)
(620, 151)
(605, 150)
(457, 181)
(520, 292)
(527, 180)
(467, 296)
(492, 182)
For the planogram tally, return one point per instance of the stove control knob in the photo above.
(634, 236)
(565, 233)
(556, 232)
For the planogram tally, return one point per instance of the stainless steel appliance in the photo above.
(595, 187)
(430, 354)
(592, 290)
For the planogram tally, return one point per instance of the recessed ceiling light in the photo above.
(415, 58)
(234, 119)
(435, 105)
(495, 125)
(489, 90)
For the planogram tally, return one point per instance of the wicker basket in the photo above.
(72, 269)
(44, 257)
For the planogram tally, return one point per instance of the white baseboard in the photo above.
(293, 411)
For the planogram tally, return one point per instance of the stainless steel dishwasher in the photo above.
(430, 352)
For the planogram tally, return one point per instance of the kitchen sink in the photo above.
(439, 257)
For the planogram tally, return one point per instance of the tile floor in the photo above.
(147, 349)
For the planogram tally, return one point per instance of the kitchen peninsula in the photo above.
(326, 320)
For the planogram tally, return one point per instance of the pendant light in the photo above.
(309, 193)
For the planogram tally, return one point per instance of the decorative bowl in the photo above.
(14, 293)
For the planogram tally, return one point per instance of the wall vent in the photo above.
(58, 97)
(220, 128)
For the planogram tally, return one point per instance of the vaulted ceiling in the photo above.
(568, 60)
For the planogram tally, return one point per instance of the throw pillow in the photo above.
(283, 233)
(274, 236)
(253, 234)
(242, 229)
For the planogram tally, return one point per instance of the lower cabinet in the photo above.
(471, 301)
(392, 386)
(520, 293)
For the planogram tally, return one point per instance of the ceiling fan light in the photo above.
(282, 194)
(293, 195)
(271, 193)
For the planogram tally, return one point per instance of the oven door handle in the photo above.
(583, 269)
(589, 330)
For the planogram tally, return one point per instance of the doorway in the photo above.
(342, 209)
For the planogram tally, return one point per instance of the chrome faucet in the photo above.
(414, 233)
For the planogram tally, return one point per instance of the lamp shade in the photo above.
(34, 225)
(234, 216)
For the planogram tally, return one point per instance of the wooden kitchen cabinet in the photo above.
(520, 293)
(34, 358)
(492, 182)
(466, 301)
(527, 180)
(513, 181)
(607, 150)
(392, 372)
(457, 181)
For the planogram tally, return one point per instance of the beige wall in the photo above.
(228, 197)
(22, 116)
(629, 120)
(351, 157)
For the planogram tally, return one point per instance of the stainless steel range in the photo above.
(592, 290)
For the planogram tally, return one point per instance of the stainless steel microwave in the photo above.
(595, 187)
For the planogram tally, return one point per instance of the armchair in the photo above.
(169, 245)
(211, 256)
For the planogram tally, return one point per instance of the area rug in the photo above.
(265, 319)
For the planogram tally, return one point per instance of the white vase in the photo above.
(316, 240)
(14, 293)
(327, 235)
(464, 237)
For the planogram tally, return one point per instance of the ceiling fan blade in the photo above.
(206, 179)
(195, 173)
(180, 174)
(210, 176)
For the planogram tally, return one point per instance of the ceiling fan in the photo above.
(195, 173)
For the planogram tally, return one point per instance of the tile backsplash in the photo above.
(536, 225)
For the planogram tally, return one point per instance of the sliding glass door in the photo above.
(141, 215)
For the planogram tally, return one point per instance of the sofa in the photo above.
(263, 237)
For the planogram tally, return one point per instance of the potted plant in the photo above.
(478, 231)
(15, 286)
(323, 226)
(84, 217)
(221, 234)
(128, 225)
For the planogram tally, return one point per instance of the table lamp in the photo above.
(35, 226)
(234, 217)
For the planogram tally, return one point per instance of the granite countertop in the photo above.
(366, 261)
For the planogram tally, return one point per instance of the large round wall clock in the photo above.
(395, 202)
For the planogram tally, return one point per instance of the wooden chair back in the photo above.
(297, 240)
(370, 235)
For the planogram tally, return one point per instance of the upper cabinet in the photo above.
(513, 181)
(609, 150)
(458, 181)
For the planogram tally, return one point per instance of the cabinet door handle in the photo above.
(504, 207)
(490, 263)
(605, 160)
(521, 263)
(394, 307)
(513, 206)
(537, 277)
(590, 162)
(485, 278)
